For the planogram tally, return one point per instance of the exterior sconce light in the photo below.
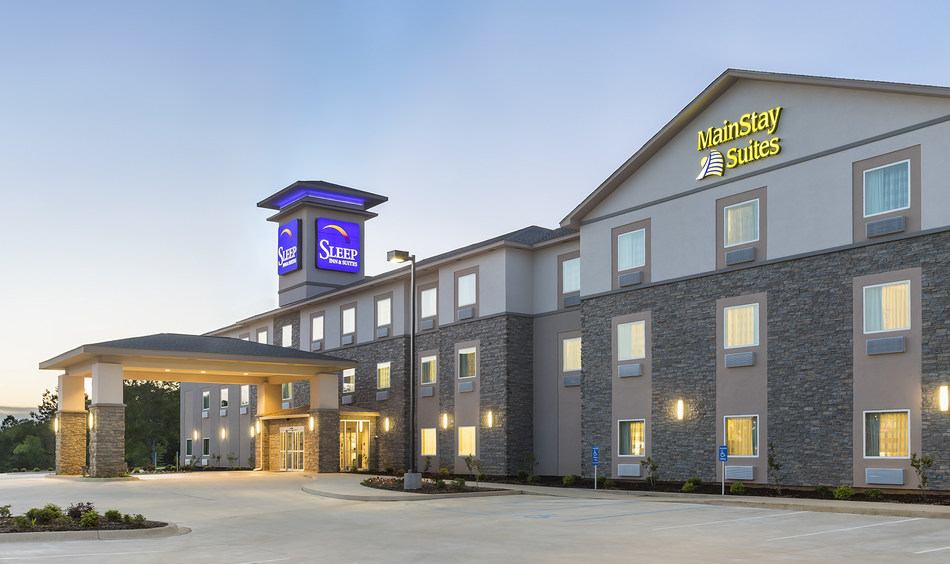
(944, 398)
(490, 419)
(386, 425)
(257, 426)
(679, 409)
(56, 425)
(90, 420)
(311, 423)
(445, 420)
(252, 431)
(195, 435)
(224, 433)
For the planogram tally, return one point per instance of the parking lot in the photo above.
(265, 517)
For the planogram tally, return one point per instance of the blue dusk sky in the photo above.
(136, 137)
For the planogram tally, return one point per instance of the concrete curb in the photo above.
(169, 530)
(405, 496)
(90, 478)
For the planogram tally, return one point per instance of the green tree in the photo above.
(31, 453)
(151, 421)
(46, 411)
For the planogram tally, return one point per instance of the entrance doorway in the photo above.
(354, 445)
(291, 448)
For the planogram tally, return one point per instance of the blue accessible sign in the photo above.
(595, 456)
(723, 453)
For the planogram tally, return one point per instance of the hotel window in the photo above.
(428, 303)
(631, 341)
(886, 434)
(205, 399)
(742, 435)
(384, 315)
(262, 336)
(741, 223)
(286, 391)
(631, 254)
(189, 448)
(349, 380)
(571, 354)
(887, 188)
(382, 375)
(887, 307)
(245, 337)
(348, 323)
(466, 293)
(245, 394)
(205, 447)
(569, 279)
(886, 194)
(427, 374)
(428, 442)
(466, 441)
(741, 326)
(287, 336)
(224, 397)
(316, 331)
(467, 363)
(632, 438)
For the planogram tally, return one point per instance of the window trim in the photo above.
(376, 301)
(344, 308)
(617, 337)
(725, 327)
(864, 305)
(645, 269)
(189, 447)
(266, 333)
(205, 395)
(864, 434)
(435, 316)
(563, 340)
(283, 330)
(323, 329)
(343, 381)
(389, 376)
(458, 353)
(290, 391)
(245, 336)
(725, 223)
(422, 441)
(910, 183)
(912, 213)
(725, 436)
(205, 446)
(458, 439)
(455, 290)
(423, 356)
(644, 421)
(245, 388)
(561, 294)
(224, 396)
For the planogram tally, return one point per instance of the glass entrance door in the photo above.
(354, 446)
(291, 448)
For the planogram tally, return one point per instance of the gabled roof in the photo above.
(712, 92)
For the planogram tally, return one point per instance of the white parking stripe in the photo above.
(730, 520)
(846, 529)
(933, 550)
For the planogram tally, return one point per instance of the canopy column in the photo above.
(322, 438)
(71, 425)
(268, 401)
(107, 422)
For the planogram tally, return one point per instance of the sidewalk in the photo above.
(347, 486)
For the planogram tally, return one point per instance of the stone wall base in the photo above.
(107, 441)
(71, 442)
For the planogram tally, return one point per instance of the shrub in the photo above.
(737, 488)
(534, 479)
(89, 519)
(920, 466)
(482, 476)
(653, 472)
(570, 481)
(523, 475)
(77, 509)
(775, 469)
(823, 492)
(844, 492)
(608, 483)
(601, 481)
(874, 494)
(458, 483)
(21, 522)
(4, 510)
(43, 516)
(36, 469)
(388, 469)
(444, 472)
(440, 483)
(688, 487)
(139, 520)
(113, 515)
(400, 473)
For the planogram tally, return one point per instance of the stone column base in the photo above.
(107, 441)
(261, 444)
(71, 442)
(322, 445)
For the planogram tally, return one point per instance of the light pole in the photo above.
(400, 257)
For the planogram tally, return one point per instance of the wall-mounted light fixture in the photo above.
(56, 425)
(386, 425)
(257, 426)
(90, 420)
(311, 423)
(252, 431)
(679, 409)
(445, 420)
(944, 398)
(490, 419)
(224, 433)
(195, 435)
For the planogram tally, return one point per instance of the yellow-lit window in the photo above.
(286, 391)
(466, 363)
(632, 438)
(631, 342)
(382, 375)
(349, 380)
(466, 441)
(742, 326)
(741, 223)
(428, 373)
(887, 434)
(428, 442)
(571, 354)
(742, 435)
(887, 307)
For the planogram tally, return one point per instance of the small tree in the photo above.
(921, 465)
(231, 460)
(474, 464)
(775, 469)
(653, 472)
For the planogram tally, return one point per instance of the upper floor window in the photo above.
(349, 380)
(887, 307)
(428, 371)
(631, 340)
(245, 337)
(887, 434)
(428, 302)
(382, 375)
(317, 323)
(348, 315)
(245, 394)
(887, 188)
(205, 399)
(286, 391)
(262, 336)
(741, 223)
(631, 250)
(467, 362)
(466, 289)
(224, 397)
(571, 275)
(571, 354)
(384, 312)
(741, 326)
(287, 335)
(466, 293)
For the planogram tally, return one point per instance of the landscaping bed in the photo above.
(76, 517)
(429, 485)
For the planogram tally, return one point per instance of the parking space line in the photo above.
(846, 529)
(645, 513)
(730, 520)
(932, 550)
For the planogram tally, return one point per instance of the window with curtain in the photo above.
(571, 354)
(224, 397)
(631, 250)
(349, 380)
(466, 363)
(887, 433)
(286, 390)
(205, 399)
(384, 312)
(742, 435)
(428, 442)
(571, 276)
(741, 223)
(466, 441)
(887, 188)
(742, 326)
(428, 372)
(428, 302)
(349, 320)
(631, 340)
(887, 307)
(188, 447)
(466, 290)
(382, 375)
(632, 438)
(205, 447)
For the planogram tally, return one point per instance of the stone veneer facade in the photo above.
(71, 442)
(810, 363)
(107, 441)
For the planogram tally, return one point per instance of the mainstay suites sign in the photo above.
(759, 125)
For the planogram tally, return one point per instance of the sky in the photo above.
(136, 138)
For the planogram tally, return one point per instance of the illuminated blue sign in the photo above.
(288, 247)
(338, 245)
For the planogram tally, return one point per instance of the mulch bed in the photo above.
(428, 486)
(6, 526)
